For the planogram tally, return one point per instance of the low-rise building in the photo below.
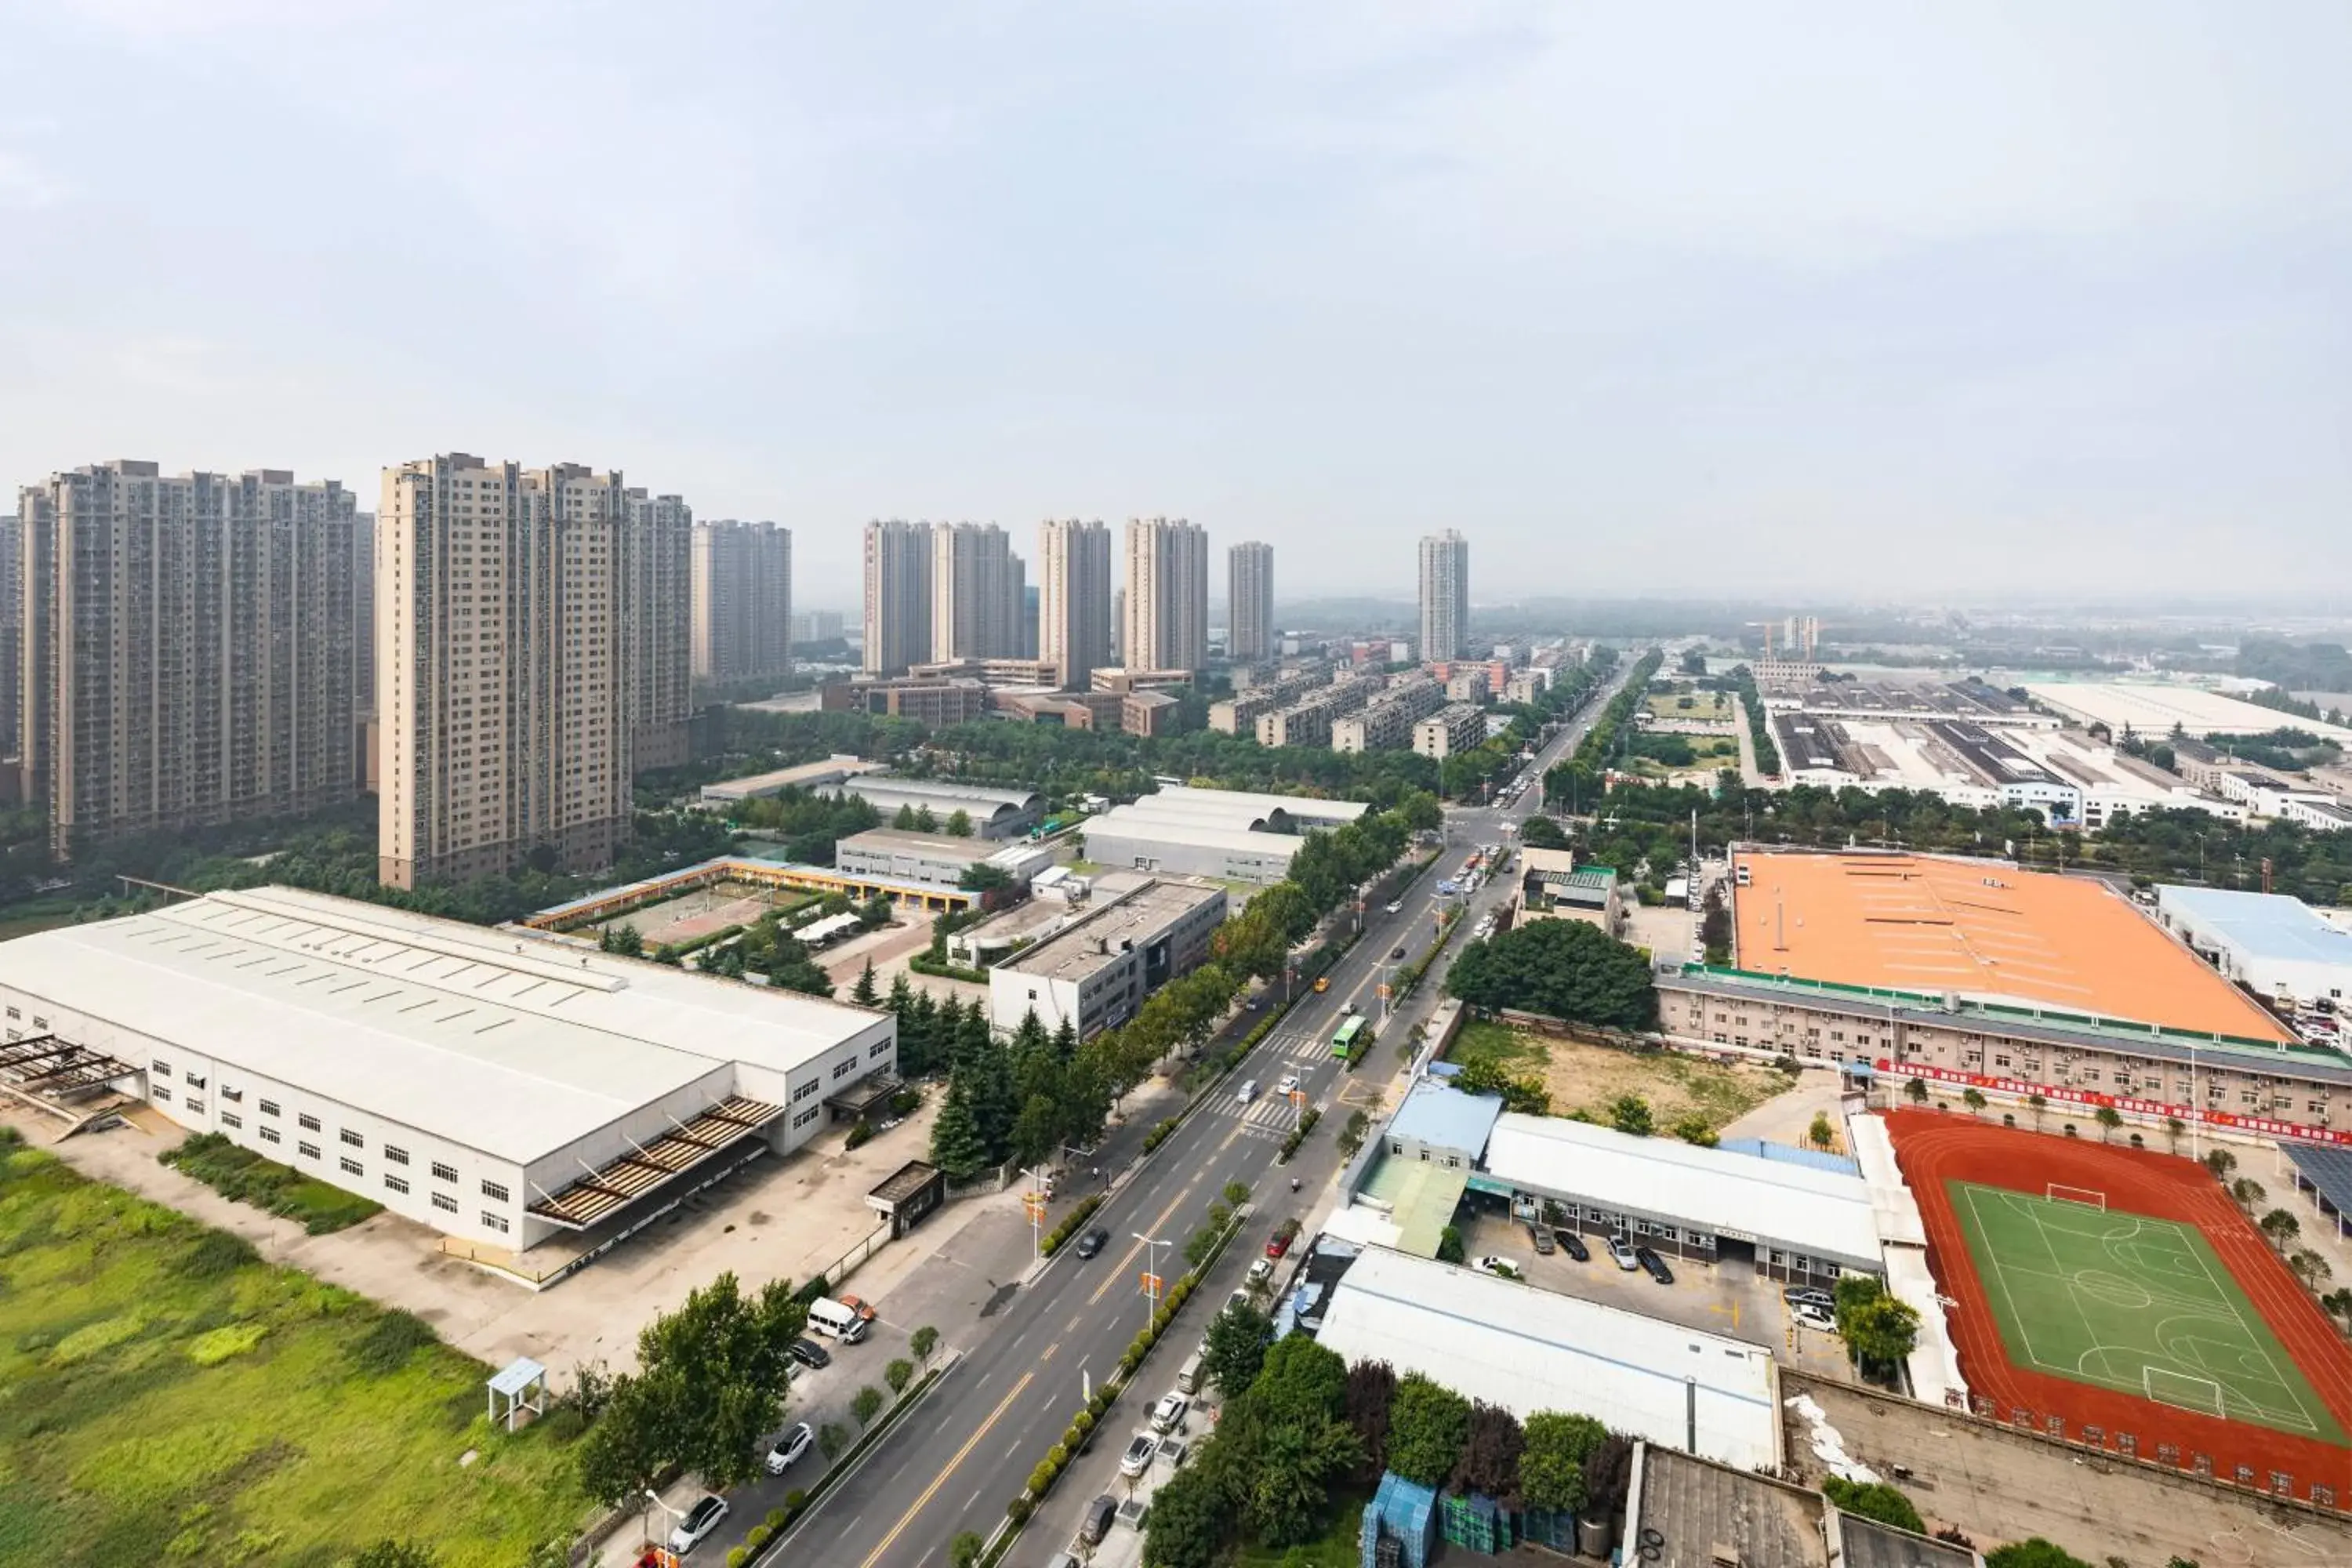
(2322, 813)
(1096, 972)
(956, 700)
(1450, 732)
(995, 813)
(935, 859)
(1145, 713)
(1233, 835)
(808, 776)
(1468, 683)
(2272, 945)
(1386, 722)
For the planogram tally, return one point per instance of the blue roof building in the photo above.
(2274, 946)
(1437, 1120)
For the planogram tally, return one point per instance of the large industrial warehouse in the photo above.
(491, 1084)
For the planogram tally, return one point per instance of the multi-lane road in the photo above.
(970, 1447)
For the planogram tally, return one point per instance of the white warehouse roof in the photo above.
(504, 1041)
(1526, 1350)
(1825, 1213)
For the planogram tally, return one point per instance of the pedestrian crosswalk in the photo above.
(1269, 1115)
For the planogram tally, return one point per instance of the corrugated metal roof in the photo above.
(1821, 1213)
(499, 1040)
(1526, 1350)
(1438, 1114)
(2260, 925)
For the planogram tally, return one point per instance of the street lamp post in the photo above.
(1150, 1275)
(1034, 1200)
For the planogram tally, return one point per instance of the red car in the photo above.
(1284, 1235)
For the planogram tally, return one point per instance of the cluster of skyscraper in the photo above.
(498, 651)
(936, 592)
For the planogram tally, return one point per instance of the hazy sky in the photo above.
(1643, 298)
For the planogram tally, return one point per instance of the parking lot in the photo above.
(1720, 1300)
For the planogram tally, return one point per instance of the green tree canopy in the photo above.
(1552, 1465)
(1234, 1348)
(1428, 1424)
(1875, 1499)
(1561, 968)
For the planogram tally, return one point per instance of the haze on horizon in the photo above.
(1716, 299)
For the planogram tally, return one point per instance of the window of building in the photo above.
(161, 1093)
(230, 1119)
(196, 1106)
(269, 1108)
(13, 1012)
(39, 1022)
(307, 1151)
(445, 1203)
(234, 1096)
(195, 1078)
(495, 1193)
(805, 1116)
(269, 1134)
(397, 1183)
(162, 1069)
(878, 1049)
(497, 1222)
(442, 1173)
(351, 1166)
(354, 1139)
(806, 1089)
(397, 1156)
(843, 1070)
(307, 1123)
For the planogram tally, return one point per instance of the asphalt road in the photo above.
(970, 1447)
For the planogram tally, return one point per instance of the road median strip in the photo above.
(850, 1462)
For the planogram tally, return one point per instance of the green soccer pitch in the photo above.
(2138, 1305)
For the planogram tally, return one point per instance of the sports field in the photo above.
(2132, 1303)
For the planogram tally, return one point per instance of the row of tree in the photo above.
(1646, 831)
(1301, 1428)
(1562, 969)
(1575, 782)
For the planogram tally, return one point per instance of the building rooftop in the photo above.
(1826, 1213)
(937, 846)
(1436, 1113)
(1100, 936)
(941, 795)
(504, 1041)
(1526, 1350)
(1707, 1515)
(1870, 1544)
(2152, 709)
(808, 776)
(1981, 928)
(2262, 925)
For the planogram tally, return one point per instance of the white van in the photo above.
(827, 1316)
(1248, 1092)
(1188, 1376)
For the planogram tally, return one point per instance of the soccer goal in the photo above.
(2089, 1197)
(2182, 1391)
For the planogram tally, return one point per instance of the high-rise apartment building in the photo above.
(744, 601)
(976, 591)
(1167, 596)
(1249, 614)
(657, 636)
(1074, 628)
(12, 633)
(187, 648)
(510, 687)
(817, 626)
(1445, 594)
(898, 595)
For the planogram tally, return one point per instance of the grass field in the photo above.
(1587, 1077)
(2127, 1302)
(243, 1176)
(1707, 707)
(165, 1399)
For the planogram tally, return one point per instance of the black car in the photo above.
(1655, 1265)
(1396, 952)
(810, 1354)
(1094, 1241)
(1573, 1244)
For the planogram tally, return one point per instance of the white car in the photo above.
(1261, 1273)
(1288, 1085)
(697, 1522)
(1813, 1317)
(1621, 1250)
(788, 1448)
(1501, 1268)
(1138, 1458)
(1168, 1415)
(1397, 908)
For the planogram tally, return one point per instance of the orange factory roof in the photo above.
(1984, 929)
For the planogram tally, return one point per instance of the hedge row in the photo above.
(1070, 1224)
(923, 964)
(1307, 1122)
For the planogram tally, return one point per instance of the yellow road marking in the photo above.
(1119, 1271)
(970, 1443)
(1049, 1352)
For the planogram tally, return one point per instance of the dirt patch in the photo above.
(1587, 1077)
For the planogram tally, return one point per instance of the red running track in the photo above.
(1934, 1147)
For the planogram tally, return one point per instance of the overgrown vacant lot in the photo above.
(1588, 1077)
(166, 1399)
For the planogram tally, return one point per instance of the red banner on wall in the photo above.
(2268, 1126)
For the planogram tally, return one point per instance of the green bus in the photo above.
(1343, 1044)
